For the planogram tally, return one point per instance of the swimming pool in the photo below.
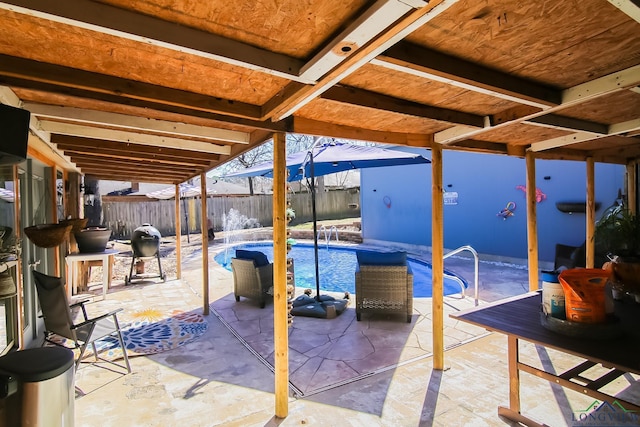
(337, 268)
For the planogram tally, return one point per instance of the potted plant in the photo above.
(618, 236)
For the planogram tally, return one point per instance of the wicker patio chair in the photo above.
(384, 288)
(251, 280)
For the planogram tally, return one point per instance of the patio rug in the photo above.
(326, 353)
(152, 331)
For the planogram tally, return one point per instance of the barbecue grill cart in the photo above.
(145, 244)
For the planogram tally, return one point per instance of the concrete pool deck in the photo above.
(218, 381)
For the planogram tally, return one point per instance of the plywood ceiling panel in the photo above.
(429, 92)
(513, 34)
(292, 27)
(612, 144)
(341, 114)
(520, 134)
(591, 59)
(34, 38)
(615, 108)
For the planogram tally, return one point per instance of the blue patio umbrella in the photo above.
(324, 159)
(334, 157)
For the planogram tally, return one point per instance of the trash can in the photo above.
(37, 388)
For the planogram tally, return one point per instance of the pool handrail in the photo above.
(476, 265)
(327, 237)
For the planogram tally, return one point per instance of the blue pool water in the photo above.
(337, 268)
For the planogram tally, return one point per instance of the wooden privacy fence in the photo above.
(124, 216)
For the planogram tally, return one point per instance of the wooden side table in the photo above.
(105, 257)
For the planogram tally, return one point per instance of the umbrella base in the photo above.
(327, 308)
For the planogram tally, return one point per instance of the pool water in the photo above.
(337, 268)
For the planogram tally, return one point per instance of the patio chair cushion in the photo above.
(258, 257)
(381, 258)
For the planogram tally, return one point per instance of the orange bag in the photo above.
(584, 294)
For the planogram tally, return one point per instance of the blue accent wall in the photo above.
(396, 202)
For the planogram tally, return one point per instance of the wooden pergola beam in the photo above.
(134, 151)
(363, 98)
(132, 137)
(427, 63)
(25, 73)
(134, 123)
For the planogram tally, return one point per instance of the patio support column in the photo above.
(532, 220)
(632, 189)
(437, 258)
(178, 235)
(205, 243)
(280, 315)
(590, 214)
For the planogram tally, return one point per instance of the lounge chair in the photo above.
(384, 284)
(58, 321)
(252, 276)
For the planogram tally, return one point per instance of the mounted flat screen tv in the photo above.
(14, 134)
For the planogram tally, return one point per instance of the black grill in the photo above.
(145, 243)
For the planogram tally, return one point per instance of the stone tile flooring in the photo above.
(218, 381)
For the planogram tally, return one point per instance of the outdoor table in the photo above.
(104, 256)
(519, 319)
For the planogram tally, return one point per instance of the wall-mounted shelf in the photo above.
(574, 207)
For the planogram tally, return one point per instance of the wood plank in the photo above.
(95, 146)
(629, 7)
(105, 18)
(590, 214)
(556, 121)
(414, 87)
(52, 94)
(133, 123)
(141, 177)
(632, 186)
(437, 244)
(296, 96)
(110, 155)
(366, 26)
(533, 40)
(98, 163)
(133, 137)
(363, 98)
(204, 230)
(309, 126)
(435, 65)
(532, 221)
(28, 74)
(377, 120)
(178, 230)
(280, 310)
(127, 173)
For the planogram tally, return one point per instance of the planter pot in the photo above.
(626, 275)
(93, 239)
(48, 235)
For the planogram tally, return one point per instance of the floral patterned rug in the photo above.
(152, 331)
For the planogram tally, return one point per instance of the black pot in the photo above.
(92, 239)
(145, 241)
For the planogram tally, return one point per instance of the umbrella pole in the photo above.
(186, 217)
(315, 226)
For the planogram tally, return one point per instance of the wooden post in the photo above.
(178, 235)
(532, 221)
(205, 243)
(437, 259)
(280, 322)
(590, 214)
(632, 176)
